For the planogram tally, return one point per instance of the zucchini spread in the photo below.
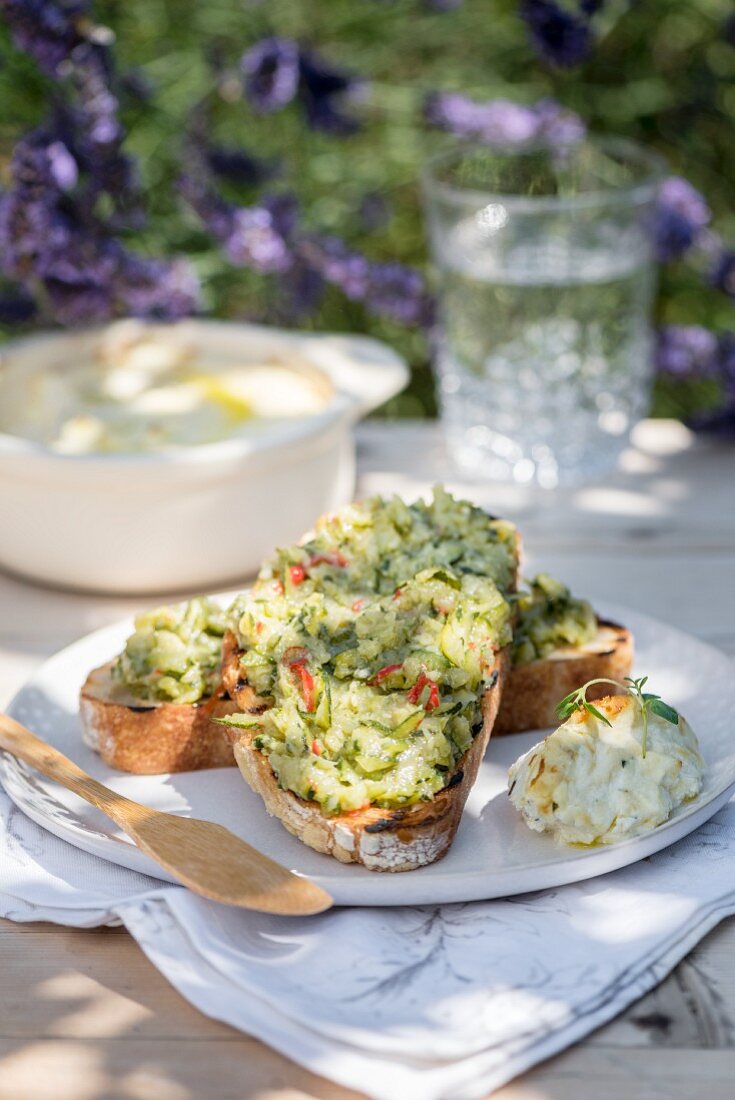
(549, 617)
(370, 646)
(174, 655)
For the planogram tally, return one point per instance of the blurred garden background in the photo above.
(274, 147)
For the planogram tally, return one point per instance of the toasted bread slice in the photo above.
(532, 691)
(381, 840)
(151, 738)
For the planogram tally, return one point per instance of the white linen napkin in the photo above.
(432, 1003)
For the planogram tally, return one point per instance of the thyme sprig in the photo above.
(648, 702)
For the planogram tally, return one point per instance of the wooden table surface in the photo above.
(85, 1016)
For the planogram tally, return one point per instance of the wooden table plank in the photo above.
(133, 1069)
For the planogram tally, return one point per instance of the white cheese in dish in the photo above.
(589, 782)
(140, 390)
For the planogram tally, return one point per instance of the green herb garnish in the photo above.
(648, 702)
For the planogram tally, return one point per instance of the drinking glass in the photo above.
(545, 277)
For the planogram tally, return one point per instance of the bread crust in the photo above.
(152, 738)
(400, 839)
(532, 691)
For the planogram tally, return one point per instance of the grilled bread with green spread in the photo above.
(368, 664)
(558, 643)
(150, 711)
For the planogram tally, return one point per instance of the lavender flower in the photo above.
(47, 30)
(34, 231)
(680, 215)
(687, 351)
(501, 123)
(558, 126)
(252, 236)
(558, 35)
(320, 89)
(97, 134)
(72, 304)
(387, 289)
(51, 238)
(721, 420)
(271, 73)
(277, 70)
(297, 295)
(158, 289)
(723, 273)
(239, 166)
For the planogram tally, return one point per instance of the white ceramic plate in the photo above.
(494, 853)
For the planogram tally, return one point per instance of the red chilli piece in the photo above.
(307, 685)
(297, 573)
(316, 748)
(358, 605)
(433, 698)
(383, 673)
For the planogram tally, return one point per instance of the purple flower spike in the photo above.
(501, 123)
(320, 86)
(239, 166)
(388, 289)
(253, 236)
(558, 126)
(87, 304)
(277, 70)
(559, 36)
(47, 30)
(253, 240)
(687, 351)
(271, 73)
(158, 289)
(680, 215)
(62, 166)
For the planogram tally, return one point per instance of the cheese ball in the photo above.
(589, 783)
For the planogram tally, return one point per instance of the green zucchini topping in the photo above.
(174, 654)
(373, 643)
(550, 617)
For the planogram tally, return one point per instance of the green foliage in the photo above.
(663, 74)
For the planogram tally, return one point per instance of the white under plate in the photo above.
(494, 853)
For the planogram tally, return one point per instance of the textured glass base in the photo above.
(483, 455)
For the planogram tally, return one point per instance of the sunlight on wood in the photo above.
(662, 437)
(105, 1013)
(618, 502)
(146, 1082)
(53, 1071)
